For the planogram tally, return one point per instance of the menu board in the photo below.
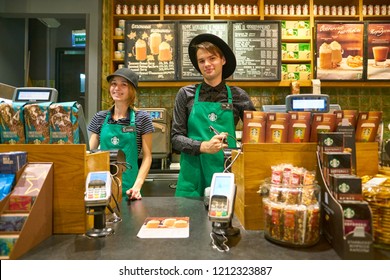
(150, 49)
(339, 50)
(187, 31)
(378, 44)
(257, 48)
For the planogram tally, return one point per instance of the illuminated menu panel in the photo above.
(258, 50)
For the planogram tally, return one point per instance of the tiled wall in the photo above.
(353, 98)
(361, 99)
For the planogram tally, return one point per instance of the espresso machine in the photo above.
(161, 180)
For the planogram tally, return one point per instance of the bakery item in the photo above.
(153, 224)
(355, 61)
(180, 224)
(169, 222)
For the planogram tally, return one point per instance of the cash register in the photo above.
(35, 94)
(308, 102)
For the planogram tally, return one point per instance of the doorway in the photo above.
(70, 75)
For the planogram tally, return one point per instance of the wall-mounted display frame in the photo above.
(339, 50)
(158, 50)
(378, 54)
(187, 30)
(150, 49)
(257, 47)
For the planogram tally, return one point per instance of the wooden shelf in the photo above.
(114, 18)
(296, 61)
(337, 18)
(286, 17)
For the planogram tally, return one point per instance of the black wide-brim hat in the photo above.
(127, 74)
(230, 65)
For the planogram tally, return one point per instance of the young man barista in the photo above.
(197, 107)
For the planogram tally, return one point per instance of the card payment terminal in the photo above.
(222, 194)
(98, 189)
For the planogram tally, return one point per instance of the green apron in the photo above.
(120, 137)
(196, 172)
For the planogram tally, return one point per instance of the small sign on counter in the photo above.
(165, 227)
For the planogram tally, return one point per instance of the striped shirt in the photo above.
(143, 124)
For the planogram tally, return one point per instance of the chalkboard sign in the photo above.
(150, 49)
(187, 31)
(258, 50)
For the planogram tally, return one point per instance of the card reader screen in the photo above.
(98, 176)
(222, 185)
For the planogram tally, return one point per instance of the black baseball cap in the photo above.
(230, 65)
(127, 74)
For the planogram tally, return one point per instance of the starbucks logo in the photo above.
(349, 213)
(344, 187)
(212, 117)
(328, 141)
(115, 140)
(334, 163)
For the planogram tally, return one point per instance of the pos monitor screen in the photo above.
(308, 102)
(35, 94)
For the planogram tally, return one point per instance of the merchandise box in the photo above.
(330, 142)
(349, 115)
(12, 222)
(300, 72)
(322, 122)
(349, 143)
(254, 126)
(346, 187)
(277, 127)
(28, 186)
(7, 244)
(367, 126)
(357, 218)
(6, 184)
(11, 122)
(296, 29)
(336, 163)
(341, 224)
(64, 124)
(299, 127)
(12, 162)
(36, 125)
(296, 51)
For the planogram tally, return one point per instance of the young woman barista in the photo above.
(125, 128)
(197, 107)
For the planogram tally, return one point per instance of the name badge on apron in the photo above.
(127, 129)
(226, 106)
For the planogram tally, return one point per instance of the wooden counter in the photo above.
(254, 165)
(71, 166)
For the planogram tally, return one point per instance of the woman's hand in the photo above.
(133, 194)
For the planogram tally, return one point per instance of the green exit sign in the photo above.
(78, 38)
